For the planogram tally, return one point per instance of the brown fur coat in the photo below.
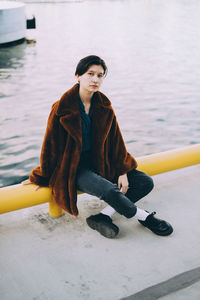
(62, 143)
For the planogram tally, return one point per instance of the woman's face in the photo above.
(92, 79)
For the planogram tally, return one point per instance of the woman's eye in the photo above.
(91, 74)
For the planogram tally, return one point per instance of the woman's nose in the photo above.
(95, 78)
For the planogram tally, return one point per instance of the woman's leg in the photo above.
(93, 184)
(140, 185)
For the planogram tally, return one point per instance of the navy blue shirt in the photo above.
(86, 126)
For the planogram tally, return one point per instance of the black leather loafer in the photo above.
(158, 226)
(103, 224)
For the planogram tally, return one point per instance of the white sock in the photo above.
(141, 214)
(109, 211)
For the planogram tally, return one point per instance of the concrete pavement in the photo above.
(44, 258)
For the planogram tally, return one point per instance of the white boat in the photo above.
(13, 23)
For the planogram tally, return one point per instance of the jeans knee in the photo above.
(150, 184)
(144, 188)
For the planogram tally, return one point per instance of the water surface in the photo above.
(152, 49)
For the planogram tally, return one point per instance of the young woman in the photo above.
(83, 149)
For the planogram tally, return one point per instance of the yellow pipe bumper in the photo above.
(21, 196)
(169, 160)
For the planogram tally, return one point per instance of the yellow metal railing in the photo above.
(169, 160)
(21, 196)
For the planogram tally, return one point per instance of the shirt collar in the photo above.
(82, 107)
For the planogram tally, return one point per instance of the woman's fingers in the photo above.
(119, 185)
(25, 182)
(124, 189)
(123, 183)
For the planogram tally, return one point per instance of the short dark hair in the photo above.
(88, 61)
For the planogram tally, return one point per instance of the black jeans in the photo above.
(140, 184)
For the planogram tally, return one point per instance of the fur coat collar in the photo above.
(68, 111)
(62, 144)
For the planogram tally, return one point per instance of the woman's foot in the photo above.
(103, 224)
(158, 226)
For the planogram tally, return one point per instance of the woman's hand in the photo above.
(25, 182)
(123, 183)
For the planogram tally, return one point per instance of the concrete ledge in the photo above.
(45, 258)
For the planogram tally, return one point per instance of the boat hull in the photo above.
(12, 22)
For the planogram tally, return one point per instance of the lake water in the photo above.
(152, 49)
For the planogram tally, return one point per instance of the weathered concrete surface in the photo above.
(192, 292)
(171, 288)
(44, 258)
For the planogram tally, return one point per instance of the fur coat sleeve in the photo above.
(49, 152)
(122, 161)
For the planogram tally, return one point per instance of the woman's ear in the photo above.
(77, 77)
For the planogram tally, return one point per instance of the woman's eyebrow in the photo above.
(95, 72)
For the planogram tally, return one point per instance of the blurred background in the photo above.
(152, 50)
